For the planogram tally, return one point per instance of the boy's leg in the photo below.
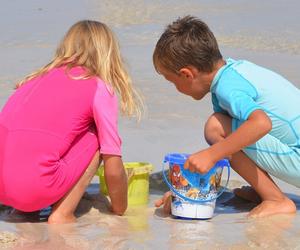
(63, 210)
(274, 201)
(217, 128)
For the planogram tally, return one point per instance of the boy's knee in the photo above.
(217, 127)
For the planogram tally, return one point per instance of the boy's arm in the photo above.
(257, 125)
(116, 181)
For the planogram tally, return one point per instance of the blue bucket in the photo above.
(193, 194)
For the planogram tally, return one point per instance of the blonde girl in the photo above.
(61, 122)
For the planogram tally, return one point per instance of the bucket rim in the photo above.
(176, 158)
(180, 158)
(137, 168)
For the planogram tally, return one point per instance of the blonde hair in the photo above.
(92, 45)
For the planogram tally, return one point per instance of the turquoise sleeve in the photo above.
(236, 95)
(216, 106)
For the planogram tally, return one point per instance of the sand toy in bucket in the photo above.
(138, 182)
(193, 194)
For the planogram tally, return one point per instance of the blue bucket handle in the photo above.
(192, 200)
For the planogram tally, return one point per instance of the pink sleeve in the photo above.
(105, 109)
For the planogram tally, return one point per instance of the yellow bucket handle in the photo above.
(143, 169)
(130, 173)
(131, 170)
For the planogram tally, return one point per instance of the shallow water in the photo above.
(145, 227)
(264, 32)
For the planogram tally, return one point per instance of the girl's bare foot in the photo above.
(59, 218)
(271, 207)
(247, 193)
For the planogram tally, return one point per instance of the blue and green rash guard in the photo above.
(240, 87)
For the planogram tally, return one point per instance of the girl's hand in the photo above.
(200, 162)
(165, 201)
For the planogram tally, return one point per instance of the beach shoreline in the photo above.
(173, 122)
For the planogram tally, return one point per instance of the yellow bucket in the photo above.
(138, 182)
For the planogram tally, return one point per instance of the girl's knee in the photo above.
(217, 127)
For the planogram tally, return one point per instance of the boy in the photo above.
(253, 124)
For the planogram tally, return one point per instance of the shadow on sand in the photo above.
(227, 203)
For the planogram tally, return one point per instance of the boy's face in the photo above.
(188, 81)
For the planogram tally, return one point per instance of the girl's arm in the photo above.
(116, 181)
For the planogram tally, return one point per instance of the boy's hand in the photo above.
(200, 162)
(165, 201)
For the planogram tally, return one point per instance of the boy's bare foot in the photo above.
(247, 193)
(58, 218)
(269, 207)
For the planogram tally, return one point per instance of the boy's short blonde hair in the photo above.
(187, 41)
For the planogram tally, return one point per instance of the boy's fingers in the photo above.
(167, 202)
(159, 202)
(186, 165)
(163, 200)
(167, 205)
(167, 195)
(192, 168)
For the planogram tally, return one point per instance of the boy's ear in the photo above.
(186, 72)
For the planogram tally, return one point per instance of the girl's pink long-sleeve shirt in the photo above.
(39, 126)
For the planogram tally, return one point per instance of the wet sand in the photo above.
(145, 227)
(173, 123)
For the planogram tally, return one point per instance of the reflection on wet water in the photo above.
(190, 235)
(272, 232)
(145, 227)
